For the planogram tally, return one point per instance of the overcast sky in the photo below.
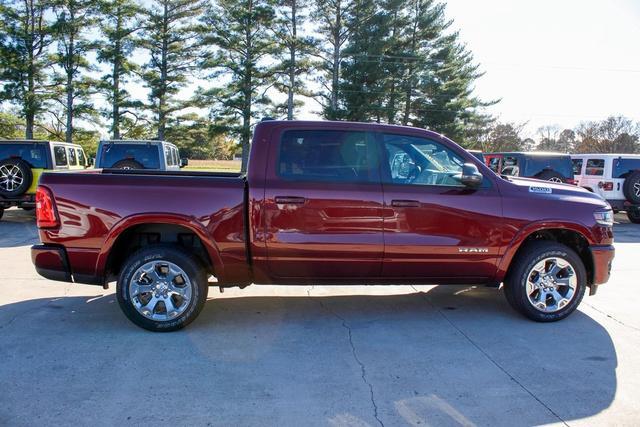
(555, 61)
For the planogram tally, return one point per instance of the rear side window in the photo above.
(595, 167)
(34, 154)
(577, 166)
(336, 156)
(73, 159)
(560, 164)
(622, 167)
(168, 156)
(145, 154)
(81, 157)
(60, 155)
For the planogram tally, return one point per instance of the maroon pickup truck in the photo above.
(323, 203)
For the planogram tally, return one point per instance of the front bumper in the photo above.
(51, 262)
(602, 259)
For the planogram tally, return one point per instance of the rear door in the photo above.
(436, 229)
(323, 205)
(594, 175)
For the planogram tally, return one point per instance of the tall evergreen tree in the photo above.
(240, 32)
(170, 37)
(25, 38)
(332, 17)
(118, 25)
(74, 20)
(293, 51)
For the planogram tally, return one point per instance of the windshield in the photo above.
(145, 154)
(34, 154)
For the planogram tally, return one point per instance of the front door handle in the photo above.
(405, 203)
(290, 200)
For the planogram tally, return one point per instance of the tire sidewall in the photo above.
(27, 177)
(549, 174)
(627, 187)
(518, 281)
(192, 268)
(634, 216)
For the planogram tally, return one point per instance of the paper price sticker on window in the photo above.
(543, 190)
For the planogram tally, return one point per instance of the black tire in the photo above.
(10, 171)
(127, 164)
(634, 215)
(515, 288)
(550, 175)
(196, 275)
(631, 187)
(1, 212)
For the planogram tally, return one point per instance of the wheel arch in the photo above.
(573, 235)
(142, 230)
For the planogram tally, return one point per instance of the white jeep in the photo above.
(615, 177)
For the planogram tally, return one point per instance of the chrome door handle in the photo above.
(405, 203)
(290, 200)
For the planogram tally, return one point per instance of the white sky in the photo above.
(554, 61)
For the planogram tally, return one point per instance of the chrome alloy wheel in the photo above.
(555, 179)
(160, 290)
(636, 189)
(551, 284)
(10, 177)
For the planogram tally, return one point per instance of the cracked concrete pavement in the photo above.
(338, 356)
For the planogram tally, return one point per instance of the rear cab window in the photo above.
(622, 167)
(147, 155)
(560, 164)
(34, 154)
(595, 167)
(327, 155)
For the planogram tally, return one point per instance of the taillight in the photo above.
(606, 186)
(46, 213)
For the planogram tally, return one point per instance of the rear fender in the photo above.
(171, 219)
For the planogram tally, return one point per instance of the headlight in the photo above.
(604, 217)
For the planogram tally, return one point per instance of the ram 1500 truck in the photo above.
(323, 203)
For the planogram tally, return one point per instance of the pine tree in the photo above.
(240, 32)
(169, 36)
(118, 25)
(293, 51)
(74, 20)
(25, 38)
(332, 17)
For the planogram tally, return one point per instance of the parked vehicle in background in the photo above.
(615, 177)
(23, 161)
(554, 167)
(477, 154)
(139, 154)
(324, 202)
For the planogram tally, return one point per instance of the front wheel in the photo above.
(634, 215)
(162, 288)
(546, 282)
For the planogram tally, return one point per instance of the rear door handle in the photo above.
(290, 200)
(405, 203)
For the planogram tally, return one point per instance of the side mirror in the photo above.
(184, 162)
(471, 177)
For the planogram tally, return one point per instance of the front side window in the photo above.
(419, 161)
(60, 155)
(595, 167)
(577, 166)
(337, 156)
(73, 159)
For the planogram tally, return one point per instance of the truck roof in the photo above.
(135, 141)
(530, 153)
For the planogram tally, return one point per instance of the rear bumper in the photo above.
(24, 201)
(602, 259)
(51, 262)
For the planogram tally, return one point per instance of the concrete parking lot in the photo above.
(293, 356)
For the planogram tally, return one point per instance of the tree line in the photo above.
(212, 68)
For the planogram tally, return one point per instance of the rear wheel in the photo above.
(550, 175)
(546, 282)
(1, 212)
(15, 177)
(631, 187)
(634, 215)
(162, 288)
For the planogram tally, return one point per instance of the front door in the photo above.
(434, 227)
(323, 210)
